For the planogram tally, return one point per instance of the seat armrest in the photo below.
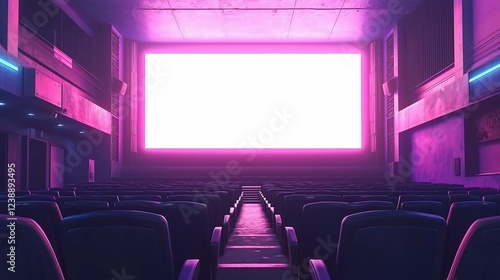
(271, 219)
(215, 249)
(293, 247)
(279, 224)
(232, 217)
(318, 270)
(225, 233)
(190, 270)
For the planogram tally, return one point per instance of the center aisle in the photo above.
(253, 252)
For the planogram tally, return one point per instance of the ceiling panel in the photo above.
(319, 4)
(256, 25)
(258, 4)
(312, 25)
(190, 22)
(368, 25)
(193, 4)
(248, 20)
(149, 25)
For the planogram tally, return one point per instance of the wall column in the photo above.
(9, 25)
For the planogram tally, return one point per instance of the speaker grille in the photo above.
(390, 99)
(115, 72)
(114, 138)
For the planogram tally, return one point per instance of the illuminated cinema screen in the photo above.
(265, 101)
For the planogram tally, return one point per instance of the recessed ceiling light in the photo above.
(2, 104)
(31, 114)
(82, 132)
(60, 125)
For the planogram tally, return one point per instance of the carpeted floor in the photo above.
(253, 252)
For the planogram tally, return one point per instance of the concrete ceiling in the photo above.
(248, 20)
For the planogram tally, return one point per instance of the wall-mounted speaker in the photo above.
(119, 86)
(390, 87)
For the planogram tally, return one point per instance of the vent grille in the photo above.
(115, 55)
(114, 138)
(115, 104)
(390, 140)
(427, 41)
(390, 57)
(115, 72)
(390, 98)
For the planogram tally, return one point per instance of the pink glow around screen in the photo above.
(277, 101)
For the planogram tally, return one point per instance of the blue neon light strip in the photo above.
(8, 64)
(484, 73)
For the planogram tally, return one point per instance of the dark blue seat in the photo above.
(463, 197)
(213, 203)
(429, 207)
(75, 207)
(109, 198)
(36, 197)
(424, 197)
(18, 192)
(292, 213)
(392, 245)
(361, 197)
(150, 197)
(461, 216)
(216, 217)
(47, 192)
(34, 257)
(190, 234)
(226, 208)
(478, 256)
(47, 215)
(120, 244)
(493, 198)
(320, 225)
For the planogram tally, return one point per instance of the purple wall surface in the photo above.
(431, 150)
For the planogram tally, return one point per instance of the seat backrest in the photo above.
(429, 207)
(117, 244)
(493, 198)
(460, 218)
(47, 192)
(424, 197)
(67, 193)
(75, 207)
(212, 201)
(34, 257)
(151, 197)
(484, 192)
(141, 205)
(224, 197)
(277, 201)
(478, 255)
(109, 198)
(363, 197)
(232, 196)
(36, 197)
(190, 233)
(320, 225)
(18, 192)
(390, 244)
(293, 205)
(463, 197)
(189, 229)
(47, 215)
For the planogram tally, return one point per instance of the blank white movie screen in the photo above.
(235, 101)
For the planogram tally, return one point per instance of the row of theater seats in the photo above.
(310, 224)
(102, 237)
